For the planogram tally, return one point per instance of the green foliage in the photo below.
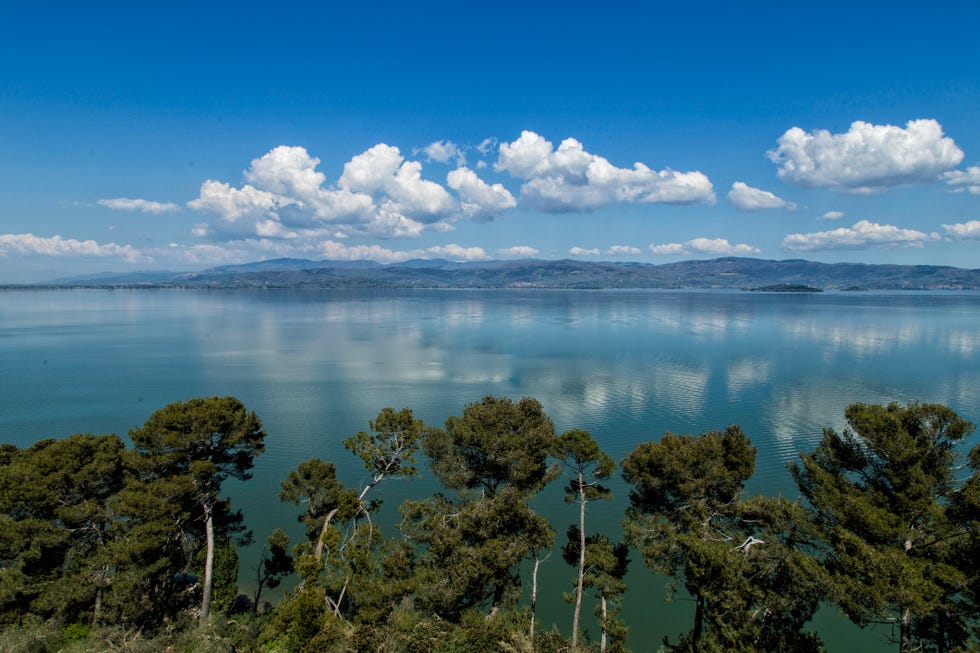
(198, 444)
(583, 458)
(207, 439)
(474, 545)
(315, 484)
(894, 522)
(275, 563)
(473, 549)
(93, 534)
(77, 631)
(390, 449)
(225, 572)
(495, 443)
(744, 562)
(605, 567)
(587, 466)
(57, 516)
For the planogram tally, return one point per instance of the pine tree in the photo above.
(198, 444)
(495, 455)
(885, 497)
(587, 466)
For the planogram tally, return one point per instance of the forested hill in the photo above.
(729, 272)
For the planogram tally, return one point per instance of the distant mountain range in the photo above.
(729, 272)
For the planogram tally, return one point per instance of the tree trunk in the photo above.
(534, 598)
(905, 632)
(208, 563)
(323, 534)
(698, 618)
(97, 609)
(498, 600)
(581, 561)
(905, 629)
(602, 639)
(258, 595)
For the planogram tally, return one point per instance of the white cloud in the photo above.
(964, 230)
(442, 151)
(570, 179)
(862, 235)
(145, 206)
(518, 251)
(623, 250)
(334, 251)
(746, 198)
(236, 205)
(716, 246)
(667, 249)
(968, 179)
(867, 158)
(382, 170)
(719, 246)
(479, 200)
(486, 145)
(458, 253)
(581, 251)
(29, 244)
(379, 194)
(832, 215)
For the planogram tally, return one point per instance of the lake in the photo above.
(625, 365)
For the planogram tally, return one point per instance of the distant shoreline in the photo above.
(729, 273)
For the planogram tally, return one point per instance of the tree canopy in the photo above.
(885, 496)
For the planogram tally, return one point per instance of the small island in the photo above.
(786, 287)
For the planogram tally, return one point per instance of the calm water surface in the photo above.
(627, 366)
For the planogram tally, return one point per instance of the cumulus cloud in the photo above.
(867, 158)
(581, 251)
(479, 200)
(667, 249)
(57, 246)
(623, 250)
(383, 171)
(442, 151)
(968, 179)
(144, 206)
(335, 251)
(719, 246)
(964, 230)
(832, 215)
(862, 235)
(518, 251)
(250, 249)
(379, 193)
(747, 198)
(458, 253)
(569, 179)
(715, 246)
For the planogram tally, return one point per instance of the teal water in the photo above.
(627, 366)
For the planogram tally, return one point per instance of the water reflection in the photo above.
(627, 366)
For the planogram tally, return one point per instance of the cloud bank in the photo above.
(714, 246)
(569, 179)
(379, 193)
(862, 235)
(867, 158)
(29, 244)
(963, 231)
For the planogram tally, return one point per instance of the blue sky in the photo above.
(186, 135)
